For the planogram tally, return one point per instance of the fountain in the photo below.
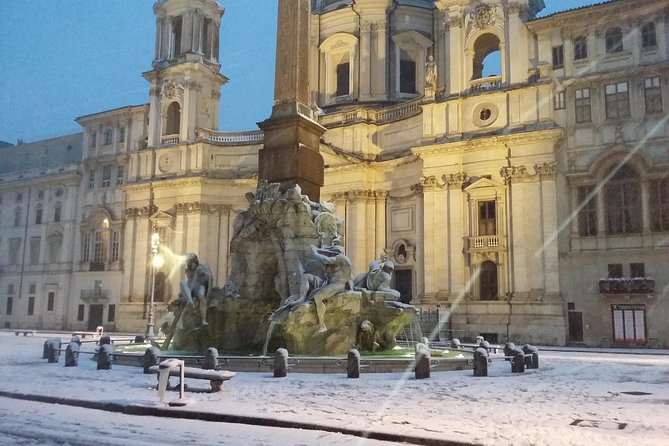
(290, 286)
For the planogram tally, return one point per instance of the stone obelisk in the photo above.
(290, 154)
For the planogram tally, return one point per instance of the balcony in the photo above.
(637, 285)
(232, 138)
(170, 139)
(485, 84)
(94, 296)
(485, 243)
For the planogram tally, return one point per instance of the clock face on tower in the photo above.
(164, 163)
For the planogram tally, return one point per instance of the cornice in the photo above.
(520, 173)
(197, 207)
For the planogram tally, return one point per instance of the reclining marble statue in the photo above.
(378, 278)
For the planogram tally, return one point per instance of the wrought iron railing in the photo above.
(637, 285)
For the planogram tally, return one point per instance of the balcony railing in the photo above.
(485, 84)
(170, 139)
(250, 137)
(484, 241)
(95, 295)
(637, 285)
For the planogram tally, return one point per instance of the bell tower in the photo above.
(185, 79)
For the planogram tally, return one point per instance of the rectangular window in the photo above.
(40, 194)
(100, 246)
(10, 305)
(343, 79)
(558, 56)
(111, 314)
(31, 305)
(80, 312)
(17, 217)
(559, 101)
(86, 247)
(35, 245)
(617, 100)
(38, 216)
(51, 301)
(92, 140)
(121, 134)
(119, 175)
(91, 179)
(659, 209)
(19, 197)
(56, 212)
(108, 137)
(115, 238)
(629, 323)
(10, 288)
(14, 246)
(106, 176)
(587, 214)
(615, 270)
(407, 76)
(580, 48)
(582, 105)
(32, 288)
(487, 220)
(648, 36)
(652, 93)
(637, 270)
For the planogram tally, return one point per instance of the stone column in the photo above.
(380, 239)
(379, 62)
(290, 154)
(365, 63)
(458, 65)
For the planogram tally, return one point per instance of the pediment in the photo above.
(482, 183)
(161, 218)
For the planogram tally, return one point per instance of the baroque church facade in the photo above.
(528, 204)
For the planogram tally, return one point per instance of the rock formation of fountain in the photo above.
(278, 246)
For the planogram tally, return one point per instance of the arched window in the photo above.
(488, 281)
(173, 119)
(622, 201)
(580, 48)
(101, 242)
(614, 40)
(484, 46)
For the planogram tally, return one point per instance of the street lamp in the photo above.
(156, 262)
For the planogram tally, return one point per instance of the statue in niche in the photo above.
(378, 278)
(335, 279)
(198, 284)
(430, 73)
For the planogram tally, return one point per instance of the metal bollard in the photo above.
(45, 349)
(211, 359)
(281, 363)
(72, 354)
(455, 344)
(104, 340)
(485, 345)
(105, 357)
(151, 358)
(480, 362)
(353, 364)
(422, 363)
(54, 350)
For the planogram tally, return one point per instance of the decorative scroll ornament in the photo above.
(172, 90)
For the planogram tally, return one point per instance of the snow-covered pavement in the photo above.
(572, 399)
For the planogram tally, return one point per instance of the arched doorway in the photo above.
(488, 281)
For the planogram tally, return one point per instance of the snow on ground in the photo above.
(539, 407)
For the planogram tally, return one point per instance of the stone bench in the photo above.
(25, 332)
(215, 377)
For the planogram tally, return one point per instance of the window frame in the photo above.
(587, 211)
(652, 94)
(582, 104)
(617, 100)
(613, 41)
(558, 56)
(648, 35)
(580, 48)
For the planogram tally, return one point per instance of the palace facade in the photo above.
(514, 168)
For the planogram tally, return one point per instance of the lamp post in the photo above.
(156, 262)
